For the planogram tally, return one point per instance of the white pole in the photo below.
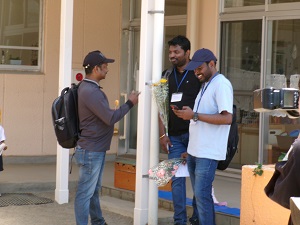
(143, 126)
(158, 37)
(65, 66)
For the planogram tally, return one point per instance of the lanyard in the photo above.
(204, 89)
(178, 86)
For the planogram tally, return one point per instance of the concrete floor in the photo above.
(39, 176)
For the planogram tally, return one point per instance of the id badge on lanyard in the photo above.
(176, 97)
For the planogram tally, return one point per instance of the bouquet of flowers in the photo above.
(160, 92)
(164, 171)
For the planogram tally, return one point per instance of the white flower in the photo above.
(160, 92)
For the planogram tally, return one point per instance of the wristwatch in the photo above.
(195, 118)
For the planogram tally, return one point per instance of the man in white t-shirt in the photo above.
(209, 128)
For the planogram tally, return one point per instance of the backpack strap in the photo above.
(167, 73)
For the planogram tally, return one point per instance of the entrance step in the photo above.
(165, 205)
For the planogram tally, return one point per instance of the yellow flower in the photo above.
(163, 81)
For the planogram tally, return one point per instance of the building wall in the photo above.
(208, 24)
(202, 27)
(26, 98)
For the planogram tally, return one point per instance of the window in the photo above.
(284, 46)
(239, 3)
(172, 7)
(240, 61)
(283, 1)
(175, 7)
(259, 47)
(20, 34)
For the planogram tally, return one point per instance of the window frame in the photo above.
(266, 7)
(266, 13)
(39, 48)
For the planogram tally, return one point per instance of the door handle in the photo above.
(123, 137)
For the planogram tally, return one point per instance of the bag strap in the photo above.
(75, 98)
(167, 73)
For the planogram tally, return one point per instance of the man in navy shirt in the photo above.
(96, 121)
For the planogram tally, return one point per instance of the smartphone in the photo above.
(174, 107)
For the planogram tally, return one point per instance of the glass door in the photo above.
(130, 60)
(282, 71)
(240, 62)
(261, 38)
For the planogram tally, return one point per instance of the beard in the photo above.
(178, 63)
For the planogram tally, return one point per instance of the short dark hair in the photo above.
(182, 41)
(89, 70)
(210, 61)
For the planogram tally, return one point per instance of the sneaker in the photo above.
(0, 195)
(194, 221)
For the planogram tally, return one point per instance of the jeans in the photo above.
(179, 146)
(87, 201)
(195, 211)
(202, 174)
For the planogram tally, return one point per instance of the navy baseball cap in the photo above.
(95, 58)
(200, 56)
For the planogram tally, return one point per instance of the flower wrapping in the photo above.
(160, 93)
(164, 171)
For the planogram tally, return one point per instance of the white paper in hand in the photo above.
(182, 171)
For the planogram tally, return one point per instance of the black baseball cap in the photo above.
(200, 56)
(95, 58)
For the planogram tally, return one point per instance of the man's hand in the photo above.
(186, 113)
(165, 143)
(184, 156)
(134, 97)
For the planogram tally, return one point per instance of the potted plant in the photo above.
(15, 61)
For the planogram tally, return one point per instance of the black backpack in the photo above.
(233, 140)
(65, 117)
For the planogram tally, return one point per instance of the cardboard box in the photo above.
(257, 99)
(124, 176)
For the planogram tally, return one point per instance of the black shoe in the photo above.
(194, 221)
